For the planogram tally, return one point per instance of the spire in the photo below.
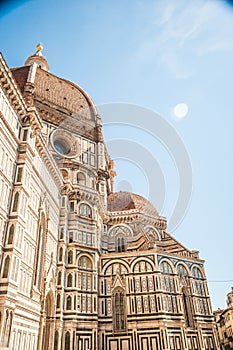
(38, 58)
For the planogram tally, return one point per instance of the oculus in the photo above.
(64, 143)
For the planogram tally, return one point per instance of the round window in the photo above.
(61, 147)
(64, 143)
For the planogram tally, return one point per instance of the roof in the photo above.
(122, 201)
(51, 90)
(58, 101)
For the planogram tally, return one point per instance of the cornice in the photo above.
(11, 89)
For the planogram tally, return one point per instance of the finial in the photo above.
(39, 47)
(38, 58)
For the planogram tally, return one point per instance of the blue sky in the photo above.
(155, 54)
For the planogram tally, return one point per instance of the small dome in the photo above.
(121, 201)
(38, 58)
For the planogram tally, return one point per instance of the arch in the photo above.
(81, 254)
(167, 279)
(142, 266)
(151, 231)
(182, 270)
(144, 259)
(183, 273)
(166, 267)
(123, 229)
(117, 261)
(81, 179)
(85, 263)
(85, 210)
(198, 283)
(197, 273)
(6, 267)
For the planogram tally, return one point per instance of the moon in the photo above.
(180, 110)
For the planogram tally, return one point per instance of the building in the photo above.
(83, 267)
(224, 320)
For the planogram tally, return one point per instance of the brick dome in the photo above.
(121, 201)
(57, 93)
(57, 100)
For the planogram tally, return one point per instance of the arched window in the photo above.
(81, 179)
(70, 257)
(120, 244)
(167, 278)
(85, 274)
(85, 263)
(119, 312)
(153, 234)
(85, 210)
(182, 271)
(166, 268)
(142, 266)
(67, 341)
(60, 254)
(59, 278)
(58, 301)
(168, 286)
(11, 234)
(16, 201)
(69, 280)
(198, 283)
(6, 267)
(197, 273)
(68, 303)
(55, 347)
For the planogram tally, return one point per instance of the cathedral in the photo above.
(83, 267)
